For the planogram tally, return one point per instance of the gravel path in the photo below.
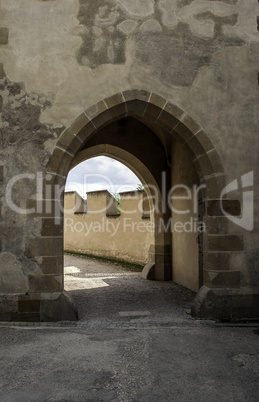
(106, 292)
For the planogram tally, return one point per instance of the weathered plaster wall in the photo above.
(202, 55)
(83, 51)
(102, 232)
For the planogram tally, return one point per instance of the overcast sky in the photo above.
(101, 173)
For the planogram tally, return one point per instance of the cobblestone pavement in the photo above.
(135, 342)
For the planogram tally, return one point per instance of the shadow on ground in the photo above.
(106, 290)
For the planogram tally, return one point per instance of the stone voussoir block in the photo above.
(152, 112)
(157, 100)
(65, 138)
(77, 125)
(114, 100)
(215, 161)
(102, 119)
(203, 165)
(189, 123)
(183, 132)
(204, 141)
(136, 94)
(86, 132)
(74, 145)
(167, 121)
(174, 110)
(95, 110)
(136, 108)
(116, 105)
(60, 162)
(195, 146)
(69, 141)
(154, 107)
(200, 143)
(117, 113)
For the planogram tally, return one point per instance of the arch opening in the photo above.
(159, 137)
(114, 220)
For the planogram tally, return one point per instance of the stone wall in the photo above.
(103, 231)
(134, 80)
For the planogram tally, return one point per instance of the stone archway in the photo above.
(153, 110)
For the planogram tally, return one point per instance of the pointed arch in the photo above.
(150, 107)
(155, 111)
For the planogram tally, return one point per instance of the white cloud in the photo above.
(101, 173)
